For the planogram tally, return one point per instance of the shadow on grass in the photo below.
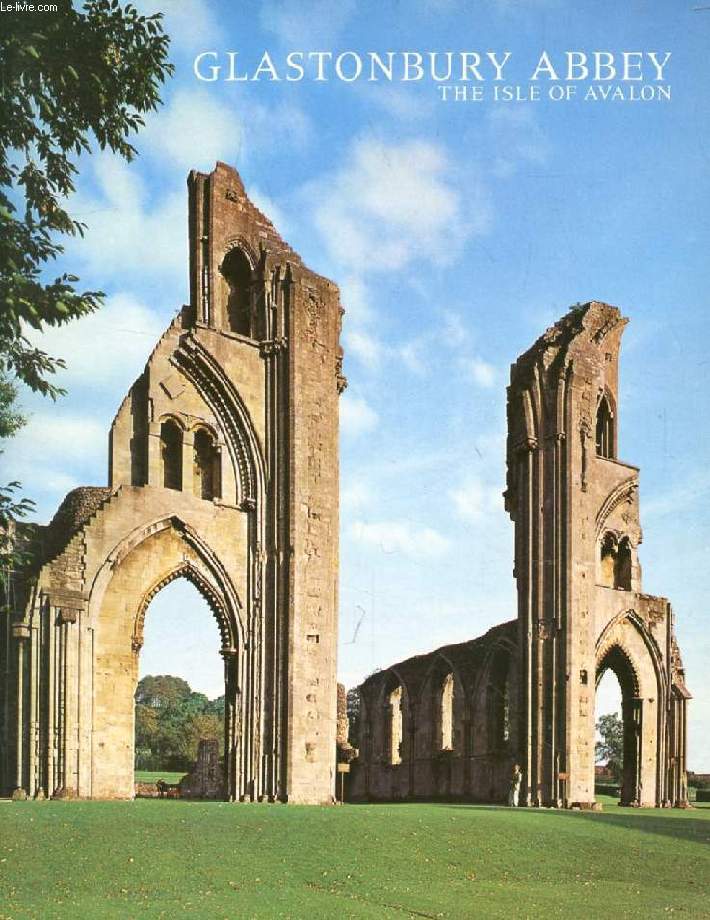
(667, 822)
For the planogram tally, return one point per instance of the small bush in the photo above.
(702, 795)
(607, 789)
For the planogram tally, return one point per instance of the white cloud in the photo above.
(56, 452)
(393, 204)
(126, 235)
(355, 298)
(473, 500)
(406, 103)
(354, 495)
(192, 131)
(403, 537)
(482, 373)
(356, 415)
(412, 355)
(292, 121)
(60, 433)
(364, 346)
(454, 330)
(106, 350)
(388, 206)
(306, 24)
(518, 137)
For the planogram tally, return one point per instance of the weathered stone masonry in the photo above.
(224, 470)
(525, 692)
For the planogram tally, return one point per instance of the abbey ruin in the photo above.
(454, 722)
(224, 470)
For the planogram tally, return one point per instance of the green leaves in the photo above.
(171, 719)
(89, 73)
(610, 748)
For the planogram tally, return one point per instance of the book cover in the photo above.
(464, 179)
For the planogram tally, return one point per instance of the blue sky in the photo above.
(457, 232)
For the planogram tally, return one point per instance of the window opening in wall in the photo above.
(447, 713)
(394, 713)
(622, 569)
(499, 701)
(615, 563)
(171, 454)
(608, 560)
(206, 466)
(605, 429)
(237, 273)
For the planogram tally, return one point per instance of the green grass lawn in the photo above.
(152, 776)
(158, 858)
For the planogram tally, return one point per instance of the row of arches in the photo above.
(435, 722)
(206, 460)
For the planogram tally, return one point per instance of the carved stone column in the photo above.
(21, 633)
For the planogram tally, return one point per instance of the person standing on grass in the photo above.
(516, 779)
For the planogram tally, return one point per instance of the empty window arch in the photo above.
(393, 726)
(615, 562)
(499, 700)
(206, 465)
(446, 713)
(236, 271)
(622, 569)
(607, 561)
(605, 429)
(171, 454)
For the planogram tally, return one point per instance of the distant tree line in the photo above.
(610, 747)
(171, 718)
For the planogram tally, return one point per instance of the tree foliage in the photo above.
(66, 78)
(610, 748)
(170, 721)
(12, 505)
(353, 707)
(69, 78)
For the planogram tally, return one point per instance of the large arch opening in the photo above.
(618, 714)
(180, 697)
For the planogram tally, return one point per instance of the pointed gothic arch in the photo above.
(605, 426)
(237, 271)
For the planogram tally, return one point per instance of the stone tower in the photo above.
(223, 469)
(581, 609)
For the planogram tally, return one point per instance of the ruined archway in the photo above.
(581, 608)
(180, 695)
(223, 470)
(615, 659)
(164, 551)
(628, 648)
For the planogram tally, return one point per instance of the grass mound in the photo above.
(167, 859)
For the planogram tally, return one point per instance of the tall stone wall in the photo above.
(581, 611)
(223, 470)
